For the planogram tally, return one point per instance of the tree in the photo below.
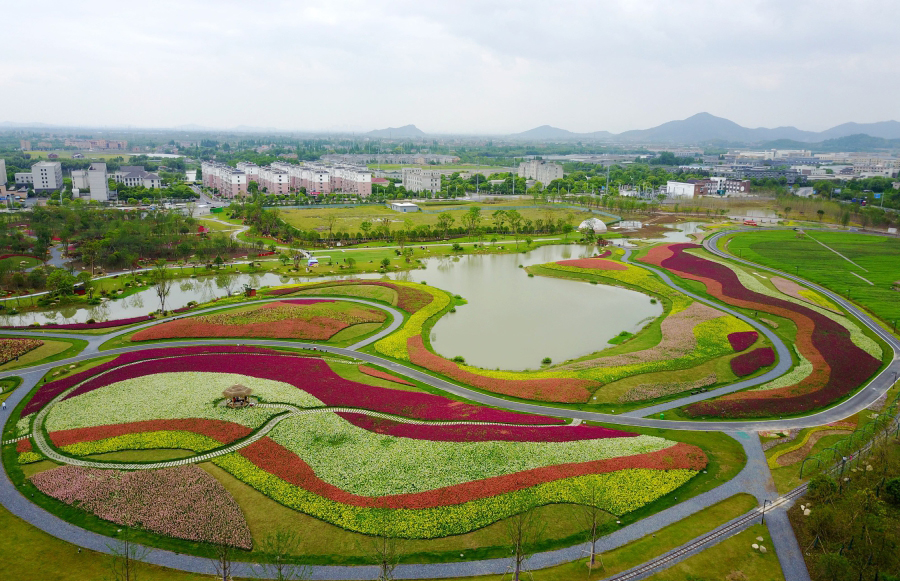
(499, 218)
(223, 561)
(279, 546)
(472, 219)
(61, 282)
(331, 221)
(590, 497)
(125, 555)
(522, 532)
(90, 250)
(515, 221)
(284, 258)
(821, 214)
(366, 227)
(445, 222)
(385, 262)
(162, 281)
(567, 229)
(226, 280)
(845, 218)
(385, 547)
(85, 279)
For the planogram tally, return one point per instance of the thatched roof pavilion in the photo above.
(238, 394)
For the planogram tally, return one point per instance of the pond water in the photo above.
(511, 322)
(681, 233)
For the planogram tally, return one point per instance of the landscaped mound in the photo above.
(182, 502)
(840, 366)
(468, 467)
(88, 326)
(372, 372)
(12, 348)
(316, 320)
(593, 264)
(751, 362)
(743, 340)
(409, 297)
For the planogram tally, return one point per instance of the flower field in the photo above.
(88, 326)
(12, 348)
(183, 502)
(372, 372)
(437, 478)
(752, 361)
(792, 289)
(593, 264)
(316, 320)
(410, 297)
(840, 365)
(742, 340)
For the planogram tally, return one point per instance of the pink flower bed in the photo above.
(309, 374)
(86, 326)
(409, 299)
(371, 371)
(281, 462)
(556, 390)
(753, 361)
(182, 502)
(606, 254)
(475, 433)
(593, 264)
(742, 339)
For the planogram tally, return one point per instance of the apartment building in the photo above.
(47, 176)
(2, 172)
(541, 171)
(228, 181)
(274, 180)
(96, 144)
(135, 175)
(325, 179)
(421, 180)
(250, 169)
(98, 182)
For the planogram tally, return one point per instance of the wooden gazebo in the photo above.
(238, 396)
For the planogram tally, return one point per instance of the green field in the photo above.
(877, 257)
(14, 263)
(456, 167)
(88, 155)
(350, 219)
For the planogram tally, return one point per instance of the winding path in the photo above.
(754, 478)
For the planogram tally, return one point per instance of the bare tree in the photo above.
(162, 280)
(523, 530)
(223, 561)
(125, 557)
(385, 548)
(280, 545)
(592, 516)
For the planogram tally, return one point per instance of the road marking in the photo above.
(868, 281)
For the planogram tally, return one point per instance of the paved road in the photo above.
(750, 479)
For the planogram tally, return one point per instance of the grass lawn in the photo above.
(32, 555)
(217, 226)
(878, 258)
(350, 219)
(725, 560)
(14, 263)
(7, 385)
(461, 167)
(88, 155)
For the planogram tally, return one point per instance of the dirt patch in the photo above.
(799, 454)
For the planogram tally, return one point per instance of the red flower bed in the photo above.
(5, 256)
(409, 299)
(281, 462)
(23, 446)
(85, 326)
(657, 254)
(48, 391)
(606, 254)
(305, 301)
(593, 264)
(309, 374)
(383, 375)
(556, 390)
(824, 342)
(742, 339)
(482, 433)
(219, 430)
(753, 361)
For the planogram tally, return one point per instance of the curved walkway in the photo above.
(747, 480)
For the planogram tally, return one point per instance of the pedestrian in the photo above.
(4, 405)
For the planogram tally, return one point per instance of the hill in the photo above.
(405, 131)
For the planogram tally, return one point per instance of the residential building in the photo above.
(79, 179)
(24, 178)
(541, 171)
(24, 145)
(135, 175)
(47, 176)
(250, 169)
(421, 180)
(2, 172)
(273, 180)
(227, 181)
(98, 182)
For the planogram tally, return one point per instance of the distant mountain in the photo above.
(405, 131)
(550, 132)
(193, 127)
(705, 128)
(883, 129)
(28, 124)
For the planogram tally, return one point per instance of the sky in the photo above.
(483, 66)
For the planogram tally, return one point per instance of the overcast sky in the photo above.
(480, 66)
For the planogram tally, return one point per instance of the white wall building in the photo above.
(135, 175)
(421, 180)
(24, 178)
(679, 189)
(98, 182)
(79, 179)
(47, 176)
(403, 207)
(2, 172)
(541, 171)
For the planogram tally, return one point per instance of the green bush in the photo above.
(892, 491)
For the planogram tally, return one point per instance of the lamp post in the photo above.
(763, 521)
